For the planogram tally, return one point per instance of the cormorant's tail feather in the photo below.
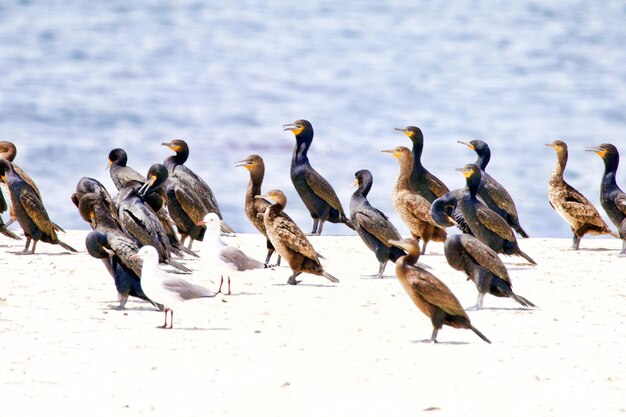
(226, 228)
(482, 336)
(395, 253)
(521, 231)
(347, 222)
(523, 301)
(188, 251)
(528, 258)
(177, 265)
(8, 233)
(615, 235)
(329, 277)
(66, 246)
(57, 227)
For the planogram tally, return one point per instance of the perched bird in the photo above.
(29, 210)
(166, 288)
(289, 241)
(486, 225)
(421, 180)
(571, 205)
(446, 213)
(192, 181)
(612, 198)
(116, 253)
(413, 209)
(492, 192)
(429, 294)
(225, 259)
(255, 207)
(374, 228)
(316, 193)
(121, 174)
(482, 265)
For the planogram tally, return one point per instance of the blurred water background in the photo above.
(79, 78)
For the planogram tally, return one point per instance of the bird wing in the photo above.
(322, 189)
(125, 248)
(190, 203)
(238, 259)
(620, 202)
(500, 196)
(436, 185)
(435, 292)
(578, 206)
(485, 256)
(19, 171)
(492, 221)
(291, 235)
(192, 181)
(37, 212)
(186, 290)
(418, 206)
(377, 224)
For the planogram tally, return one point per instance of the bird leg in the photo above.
(315, 222)
(424, 247)
(32, 252)
(228, 285)
(221, 282)
(381, 269)
(165, 323)
(292, 279)
(576, 241)
(190, 243)
(319, 229)
(433, 337)
(171, 318)
(623, 252)
(278, 260)
(123, 299)
(479, 303)
(270, 251)
(25, 251)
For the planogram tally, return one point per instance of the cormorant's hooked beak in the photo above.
(391, 151)
(465, 171)
(175, 148)
(469, 145)
(550, 145)
(354, 183)
(245, 163)
(599, 151)
(106, 168)
(295, 128)
(404, 130)
(144, 188)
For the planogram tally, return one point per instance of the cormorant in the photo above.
(121, 174)
(192, 181)
(413, 209)
(482, 265)
(372, 225)
(492, 192)
(316, 193)
(421, 180)
(7, 232)
(571, 205)
(90, 185)
(29, 210)
(486, 224)
(612, 198)
(290, 242)
(446, 213)
(429, 294)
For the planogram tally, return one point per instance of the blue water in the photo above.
(78, 78)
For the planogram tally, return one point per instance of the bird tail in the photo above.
(347, 222)
(57, 227)
(523, 301)
(66, 246)
(479, 334)
(178, 265)
(395, 253)
(612, 233)
(8, 233)
(528, 258)
(188, 251)
(329, 277)
(521, 231)
(226, 228)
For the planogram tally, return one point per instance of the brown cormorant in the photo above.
(413, 209)
(612, 198)
(29, 210)
(482, 265)
(571, 205)
(290, 242)
(492, 192)
(255, 207)
(486, 224)
(7, 232)
(430, 295)
(316, 193)
(372, 225)
(192, 181)
(421, 180)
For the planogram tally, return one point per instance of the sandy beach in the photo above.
(350, 349)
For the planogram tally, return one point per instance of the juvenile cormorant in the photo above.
(421, 180)
(165, 288)
(486, 224)
(372, 225)
(290, 242)
(29, 210)
(571, 205)
(492, 192)
(413, 209)
(612, 198)
(255, 207)
(316, 193)
(429, 294)
(192, 181)
(482, 265)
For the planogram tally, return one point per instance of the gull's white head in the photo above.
(147, 254)
(212, 222)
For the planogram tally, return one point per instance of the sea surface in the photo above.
(79, 78)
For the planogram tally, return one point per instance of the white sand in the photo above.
(314, 349)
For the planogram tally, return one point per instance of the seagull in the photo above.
(165, 288)
(226, 259)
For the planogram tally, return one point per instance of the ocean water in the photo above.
(79, 78)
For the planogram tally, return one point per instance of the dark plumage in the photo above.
(570, 204)
(121, 174)
(289, 241)
(7, 232)
(612, 198)
(413, 209)
(486, 224)
(430, 295)
(482, 265)
(492, 192)
(446, 213)
(372, 225)
(318, 195)
(88, 185)
(421, 180)
(29, 210)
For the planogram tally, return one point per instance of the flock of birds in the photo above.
(147, 223)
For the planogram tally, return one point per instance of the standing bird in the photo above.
(492, 192)
(482, 265)
(165, 288)
(486, 224)
(571, 205)
(29, 210)
(612, 198)
(255, 207)
(371, 224)
(413, 209)
(421, 180)
(446, 213)
(429, 294)
(289, 241)
(316, 193)
(191, 180)
(225, 259)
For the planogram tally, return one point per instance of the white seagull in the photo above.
(166, 288)
(223, 258)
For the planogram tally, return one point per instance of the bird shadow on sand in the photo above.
(303, 284)
(41, 253)
(501, 309)
(587, 250)
(198, 328)
(428, 342)
(235, 294)
(376, 277)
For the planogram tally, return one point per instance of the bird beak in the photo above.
(296, 129)
(144, 188)
(549, 145)
(245, 164)
(172, 147)
(466, 172)
(354, 183)
(397, 243)
(404, 130)
(201, 223)
(597, 150)
(391, 151)
(263, 196)
(469, 145)
(106, 168)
